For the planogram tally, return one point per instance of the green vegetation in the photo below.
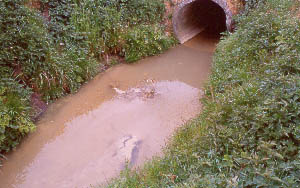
(248, 134)
(128, 28)
(52, 47)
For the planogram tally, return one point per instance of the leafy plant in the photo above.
(145, 40)
(15, 122)
(114, 27)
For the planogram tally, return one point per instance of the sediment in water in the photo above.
(94, 128)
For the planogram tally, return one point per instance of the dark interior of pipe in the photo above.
(199, 16)
(208, 14)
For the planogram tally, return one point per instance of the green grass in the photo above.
(248, 134)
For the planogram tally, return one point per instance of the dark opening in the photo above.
(209, 15)
(201, 16)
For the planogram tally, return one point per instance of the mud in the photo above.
(126, 113)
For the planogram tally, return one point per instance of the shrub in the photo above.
(23, 46)
(114, 27)
(24, 42)
(69, 51)
(29, 54)
(30, 61)
(14, 113)
(145, 40)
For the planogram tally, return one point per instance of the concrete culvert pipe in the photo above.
(194, 16)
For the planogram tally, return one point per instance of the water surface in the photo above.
(125, 113)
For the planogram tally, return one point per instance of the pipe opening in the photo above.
(199, 16)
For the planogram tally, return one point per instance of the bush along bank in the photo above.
(49, 48)
(248, 134)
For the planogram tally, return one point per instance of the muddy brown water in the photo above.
(125, 114)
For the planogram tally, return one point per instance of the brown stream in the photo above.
(125, 114)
